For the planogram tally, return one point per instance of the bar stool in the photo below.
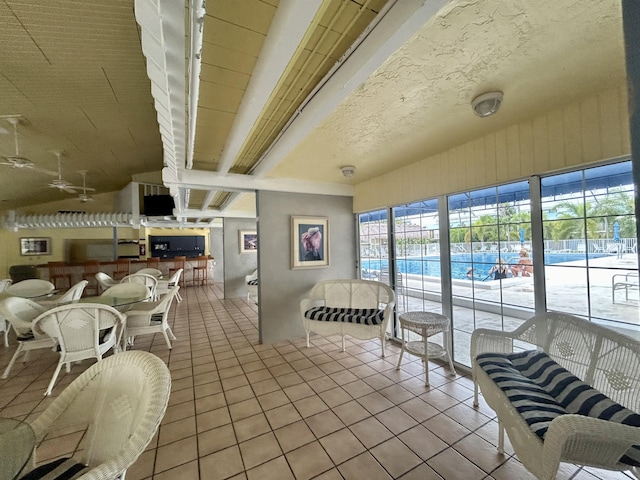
(179, 263)
(123, 267)
(89, 270)
(153, 262)
(58, 270)
(200, 270)
(425, 324)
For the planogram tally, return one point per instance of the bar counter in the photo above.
(76, 269)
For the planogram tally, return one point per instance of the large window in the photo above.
(590, 251)
(564, 242)
(490, 236)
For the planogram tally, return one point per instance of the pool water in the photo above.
(461, 262)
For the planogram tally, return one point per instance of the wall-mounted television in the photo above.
(158, 205)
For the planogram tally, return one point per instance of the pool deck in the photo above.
(506, 303)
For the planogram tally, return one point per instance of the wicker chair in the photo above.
(74, 293)
(79, 331)
(179, 263)
(149, 281)
(143, 319)
(358, 300)
(121, 401)
(105, 281)
(599, 357)
(123, 268)
(20, 313)
(165, 286)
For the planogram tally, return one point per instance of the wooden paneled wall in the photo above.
(588, 131)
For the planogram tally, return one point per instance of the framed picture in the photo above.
(35, 246)
(248, 241)
(309, 242)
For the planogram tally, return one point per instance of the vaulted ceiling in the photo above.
(288, 91)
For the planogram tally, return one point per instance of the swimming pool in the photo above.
(460, 262)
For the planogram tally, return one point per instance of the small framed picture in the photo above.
(309, 242)
(35, 246)
(248, 241)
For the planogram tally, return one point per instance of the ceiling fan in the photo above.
(83, 197)
(17, 160)
(63, 185)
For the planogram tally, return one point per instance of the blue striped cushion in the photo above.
(365, 316)
(540, 390)
(61, 469)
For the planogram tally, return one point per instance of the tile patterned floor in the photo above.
(241, 410)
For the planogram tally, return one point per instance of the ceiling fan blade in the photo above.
(70, 189)
(46, 172)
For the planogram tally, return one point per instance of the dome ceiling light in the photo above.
(487, 104)
(348, 170)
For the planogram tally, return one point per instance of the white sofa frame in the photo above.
(347, 293)
(606, 360)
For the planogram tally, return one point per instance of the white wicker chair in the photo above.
(147, 280)
(165, 286)
(351, 294)
(599, 356)
(4, 326)
(105, 281)
(20, 313)
(4, 284)
(251, 282)
(82, 330)
(122, 401)
(74, 293)
(154, 272)
(151, 317)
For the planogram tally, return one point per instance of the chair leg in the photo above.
(166, 339)
(13, 360)
(53, 379)
(6, 337)
(173, 337)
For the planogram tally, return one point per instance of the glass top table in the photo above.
(17, 440)
(120, 301)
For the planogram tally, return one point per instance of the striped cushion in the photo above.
(365, 316)
(61, 469)
(253, 282)
(540, 390)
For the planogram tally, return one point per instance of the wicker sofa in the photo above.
(359, 308)
(564, 389)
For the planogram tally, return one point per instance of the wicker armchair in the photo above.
(20, 313)
(82, 331)
(151, 317)
(121, 400)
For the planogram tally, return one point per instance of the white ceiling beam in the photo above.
(163, 33)
(203, 180)
(289, 25)
(208, 199)
(399, 24)
(200, 214)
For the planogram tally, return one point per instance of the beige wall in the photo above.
(592, 130)
(10, 242)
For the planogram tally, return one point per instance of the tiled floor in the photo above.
(242, 410)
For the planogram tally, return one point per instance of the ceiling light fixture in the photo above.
(487, 104)
(348, 170)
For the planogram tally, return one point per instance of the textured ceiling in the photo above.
(76, 73)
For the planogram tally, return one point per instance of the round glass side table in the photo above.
(425, 324)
